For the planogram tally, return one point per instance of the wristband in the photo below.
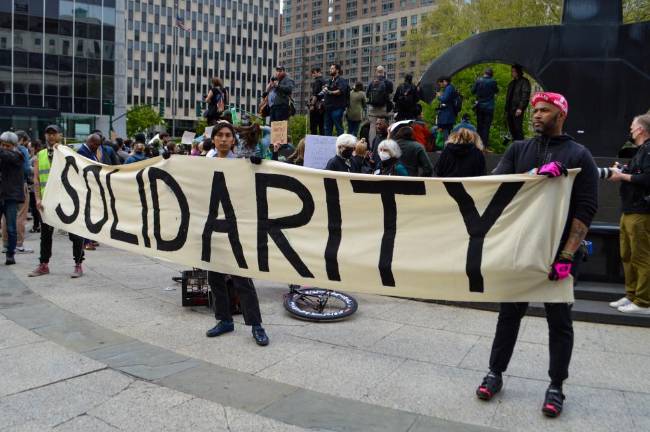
(566, 255)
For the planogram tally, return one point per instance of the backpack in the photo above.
(406, 97)
(377, 94)
(457, 103)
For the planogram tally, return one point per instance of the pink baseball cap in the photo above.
(553, 98)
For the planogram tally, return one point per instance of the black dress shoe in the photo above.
(260, 336)
(221, 328)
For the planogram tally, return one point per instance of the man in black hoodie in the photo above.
(550, 153)
(12, 194)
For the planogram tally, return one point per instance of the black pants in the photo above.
(516, 126)
(316, 123)
(483, 124)
(560, 337)
(46, 245)
(36, 215)
(279, 112)
(248, 297)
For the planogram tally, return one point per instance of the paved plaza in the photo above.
(115, 350)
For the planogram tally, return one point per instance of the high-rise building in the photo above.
(59, 63)
(357, 34)
(198, 40)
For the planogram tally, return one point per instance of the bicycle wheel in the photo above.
(317, 304)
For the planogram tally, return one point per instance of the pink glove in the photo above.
(553, 169)
(560, 270)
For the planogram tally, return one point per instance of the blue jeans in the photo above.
(353, 127)
(10, 210)
(334, 119)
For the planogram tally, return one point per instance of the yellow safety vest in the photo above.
(43, 169)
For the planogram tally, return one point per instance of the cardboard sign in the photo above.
(113, 135)
(279, 131)
(187, 137)
(318, 150)
(489, 238)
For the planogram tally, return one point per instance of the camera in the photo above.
(604, 173)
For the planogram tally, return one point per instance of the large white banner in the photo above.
(480, 239)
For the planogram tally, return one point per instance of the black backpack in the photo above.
(406, 97)
(377, 94)
(457, 103)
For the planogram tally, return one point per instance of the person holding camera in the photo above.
(316, 104)
(550, 153)
(279, 91)
(336, 94)
(635, 221)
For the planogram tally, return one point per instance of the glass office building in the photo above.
(57, 64)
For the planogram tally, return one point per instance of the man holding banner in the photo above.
(550, 153)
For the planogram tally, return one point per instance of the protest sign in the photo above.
(208, 132)
(480, 239)
(187, 137)
(279, 131)
(318, 150)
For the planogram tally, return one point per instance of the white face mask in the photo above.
(384, 156)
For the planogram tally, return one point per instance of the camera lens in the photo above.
(604, 173)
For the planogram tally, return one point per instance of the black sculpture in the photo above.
(599, 64)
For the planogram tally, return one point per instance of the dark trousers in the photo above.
(9, 209)
(248, 297)
(560, 337)
(515, 126)
(36, 215)
(279, 112)
(316, 122)
(483, 123)
(46, 245)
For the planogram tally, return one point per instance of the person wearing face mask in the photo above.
(343, 162)
(389, 154)
(414, 157)
(635, 221)
(224, 139)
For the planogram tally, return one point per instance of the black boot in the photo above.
(553, 401)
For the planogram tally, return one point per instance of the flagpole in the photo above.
(174, 70)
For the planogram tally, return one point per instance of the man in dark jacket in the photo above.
(549, 153)
(406, 100)
(635, 221)
(414, 157)
(280, 89)
(447, 96)
(485, 89)
(337, 93)
(517, 100)
(316, 104)
(11, 188)
(378, 95)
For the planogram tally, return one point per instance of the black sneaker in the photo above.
(10, 260)
(491, 385)
(222, 327)
(553, 402)
(260, 335)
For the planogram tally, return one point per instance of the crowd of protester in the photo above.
(395, 142)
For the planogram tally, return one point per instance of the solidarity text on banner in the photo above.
(480, 239)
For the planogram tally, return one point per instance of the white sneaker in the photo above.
(620, 302)
(4, 249)
(633, 308)
(24, 250)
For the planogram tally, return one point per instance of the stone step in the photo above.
(599, 291)
(583, 310)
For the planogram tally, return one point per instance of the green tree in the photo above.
(297, 128)
(140, 118)
(452, 22)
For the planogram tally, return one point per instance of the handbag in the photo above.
(264, 110)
